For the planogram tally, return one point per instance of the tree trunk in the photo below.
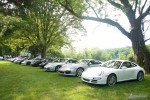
(43, 52)
(141, 53)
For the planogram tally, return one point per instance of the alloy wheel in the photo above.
(140, 76)
(111, 80)
(79, 72)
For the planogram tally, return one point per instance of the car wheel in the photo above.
(79, 72)
(140, 76)
(111, 80)
(28, 63)
(57, 68)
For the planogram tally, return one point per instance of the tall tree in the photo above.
(47, 25)
(136, 12)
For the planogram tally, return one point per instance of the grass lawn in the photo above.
(19, 82)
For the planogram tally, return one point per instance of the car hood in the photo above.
(54, 64)
(95, 71)
(71, 65)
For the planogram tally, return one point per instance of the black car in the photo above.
(43, 63)
(35, 63)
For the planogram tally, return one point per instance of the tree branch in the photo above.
(70, 10)
(125, 3)
(115, 4)
(146, 28)
(143, 7)
(110, 22)
(136, 3)
(142, 16)
(147, 39)
(92, 9)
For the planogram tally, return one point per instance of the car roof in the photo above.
(121, 60)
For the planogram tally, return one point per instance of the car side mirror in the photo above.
(123, 67)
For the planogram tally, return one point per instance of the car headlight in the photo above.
(101, 73)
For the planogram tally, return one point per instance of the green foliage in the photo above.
(100, 54)
(54, 52)
(46, 24)
(5, 50)
(8, 25)
(43, 24)
(77, 5)
(148, 48)
(10, 34)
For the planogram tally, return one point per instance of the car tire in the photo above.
(79, 72)
(111, 80)
(28, 63)
(57, 68)
(140, 76)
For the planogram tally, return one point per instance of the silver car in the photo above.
(77, 69)
(54, 66)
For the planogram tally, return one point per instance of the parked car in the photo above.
(45, 62)
(27, 62)
(78, 68)
(56, 65)
(36, 62)
(14, 59)
(20, 60)
(113, 71)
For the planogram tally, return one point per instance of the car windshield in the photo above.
(84, 61)
(112, 64)
(37, 58)
(59, 60)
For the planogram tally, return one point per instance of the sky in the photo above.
(101, 36)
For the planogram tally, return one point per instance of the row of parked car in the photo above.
(90, 70)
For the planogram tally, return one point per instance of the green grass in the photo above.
(19, 82)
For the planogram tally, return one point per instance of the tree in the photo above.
(47, 25)
(9, 35)
(136, 12)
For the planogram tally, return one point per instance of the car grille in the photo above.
(94, 81)
(67, 72)
(86, 79)
(61, 72)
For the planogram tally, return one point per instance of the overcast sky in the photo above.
(101, 36)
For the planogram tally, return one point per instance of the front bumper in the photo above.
(67, 72)
(23, 63)
(50, 69)
(94, 80)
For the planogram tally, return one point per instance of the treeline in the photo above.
(125, 53)
(101, 54)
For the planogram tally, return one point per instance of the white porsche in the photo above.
(113, 71)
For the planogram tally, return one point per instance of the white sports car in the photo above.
(113, 71)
